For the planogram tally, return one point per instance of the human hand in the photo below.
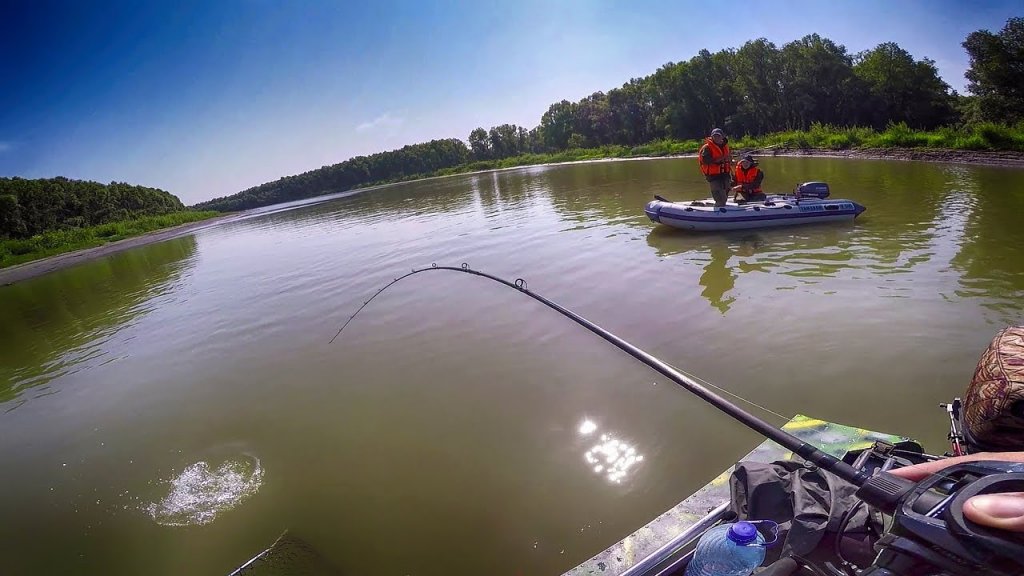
(1003, 511)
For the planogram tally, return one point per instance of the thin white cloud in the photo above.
(6, 146)
(385, 120)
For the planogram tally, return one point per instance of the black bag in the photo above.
(811, 508)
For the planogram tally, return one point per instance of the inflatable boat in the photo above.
(808, 203)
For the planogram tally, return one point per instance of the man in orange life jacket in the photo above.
(714, 161)
(746, 180)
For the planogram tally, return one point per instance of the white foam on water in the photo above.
(200, 493)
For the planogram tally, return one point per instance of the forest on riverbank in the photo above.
(810, 93)
(32, 206)
(46, 216)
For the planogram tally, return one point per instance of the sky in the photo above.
(208, 98)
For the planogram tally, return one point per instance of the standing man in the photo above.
(714, 162)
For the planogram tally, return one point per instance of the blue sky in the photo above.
(208, 98)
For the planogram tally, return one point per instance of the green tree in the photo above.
(996, 72)
(577, 141)
(557, 123)
(506, 140)
(692, 97)
(758, 85)
(710, 87)
(479, 144)
(817, 85)
(535, 140)
(902, 89)
(632, 113)
(10, 216)
(592, 119)
(30, 207)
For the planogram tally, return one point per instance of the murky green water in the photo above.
(172, 409)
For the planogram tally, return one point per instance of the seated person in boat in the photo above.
(746, 181)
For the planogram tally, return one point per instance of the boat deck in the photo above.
(663, 532)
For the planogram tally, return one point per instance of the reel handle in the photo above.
(996, 542)
(929, 528)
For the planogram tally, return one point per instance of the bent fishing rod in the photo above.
(929, 534)
(785, 439)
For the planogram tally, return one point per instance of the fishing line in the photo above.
(736, 396)
(520, 285)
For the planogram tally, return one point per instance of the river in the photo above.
(173, 408)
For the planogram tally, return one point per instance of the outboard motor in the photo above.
(812, 190)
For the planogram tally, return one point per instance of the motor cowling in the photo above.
(812, 190)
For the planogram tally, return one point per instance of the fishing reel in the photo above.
(929, 535)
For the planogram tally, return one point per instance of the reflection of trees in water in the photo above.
(54, 322)
(391, 202)
(591, 192)
(615, 192)
(510, 189)
(904, 201)
(810, 251)
(990, 258)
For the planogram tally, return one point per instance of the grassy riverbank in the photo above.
(976, 137)
(54, 242)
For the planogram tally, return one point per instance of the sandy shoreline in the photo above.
(979, 157)
(35, 268)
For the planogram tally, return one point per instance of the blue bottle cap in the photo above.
(742, 533)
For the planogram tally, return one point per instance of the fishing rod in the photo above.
(929, 534)
(763, 428)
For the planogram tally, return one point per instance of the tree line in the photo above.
(761, 88)
(756, 89)
(31, 207)
(407, 161)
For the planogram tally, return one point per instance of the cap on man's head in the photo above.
(718, 132)
(748, 158)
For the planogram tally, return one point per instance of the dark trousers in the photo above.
(752, 197)
(719, 190)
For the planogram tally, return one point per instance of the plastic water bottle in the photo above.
(728, 550)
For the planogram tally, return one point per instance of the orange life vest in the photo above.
(719, 158)
(748, 176)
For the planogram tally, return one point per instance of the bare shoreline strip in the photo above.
(35, 268)
(978, 157)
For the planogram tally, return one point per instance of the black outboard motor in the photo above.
(812, 190)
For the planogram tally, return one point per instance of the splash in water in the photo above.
(200, 493)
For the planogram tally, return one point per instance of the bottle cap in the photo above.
(742, 533)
